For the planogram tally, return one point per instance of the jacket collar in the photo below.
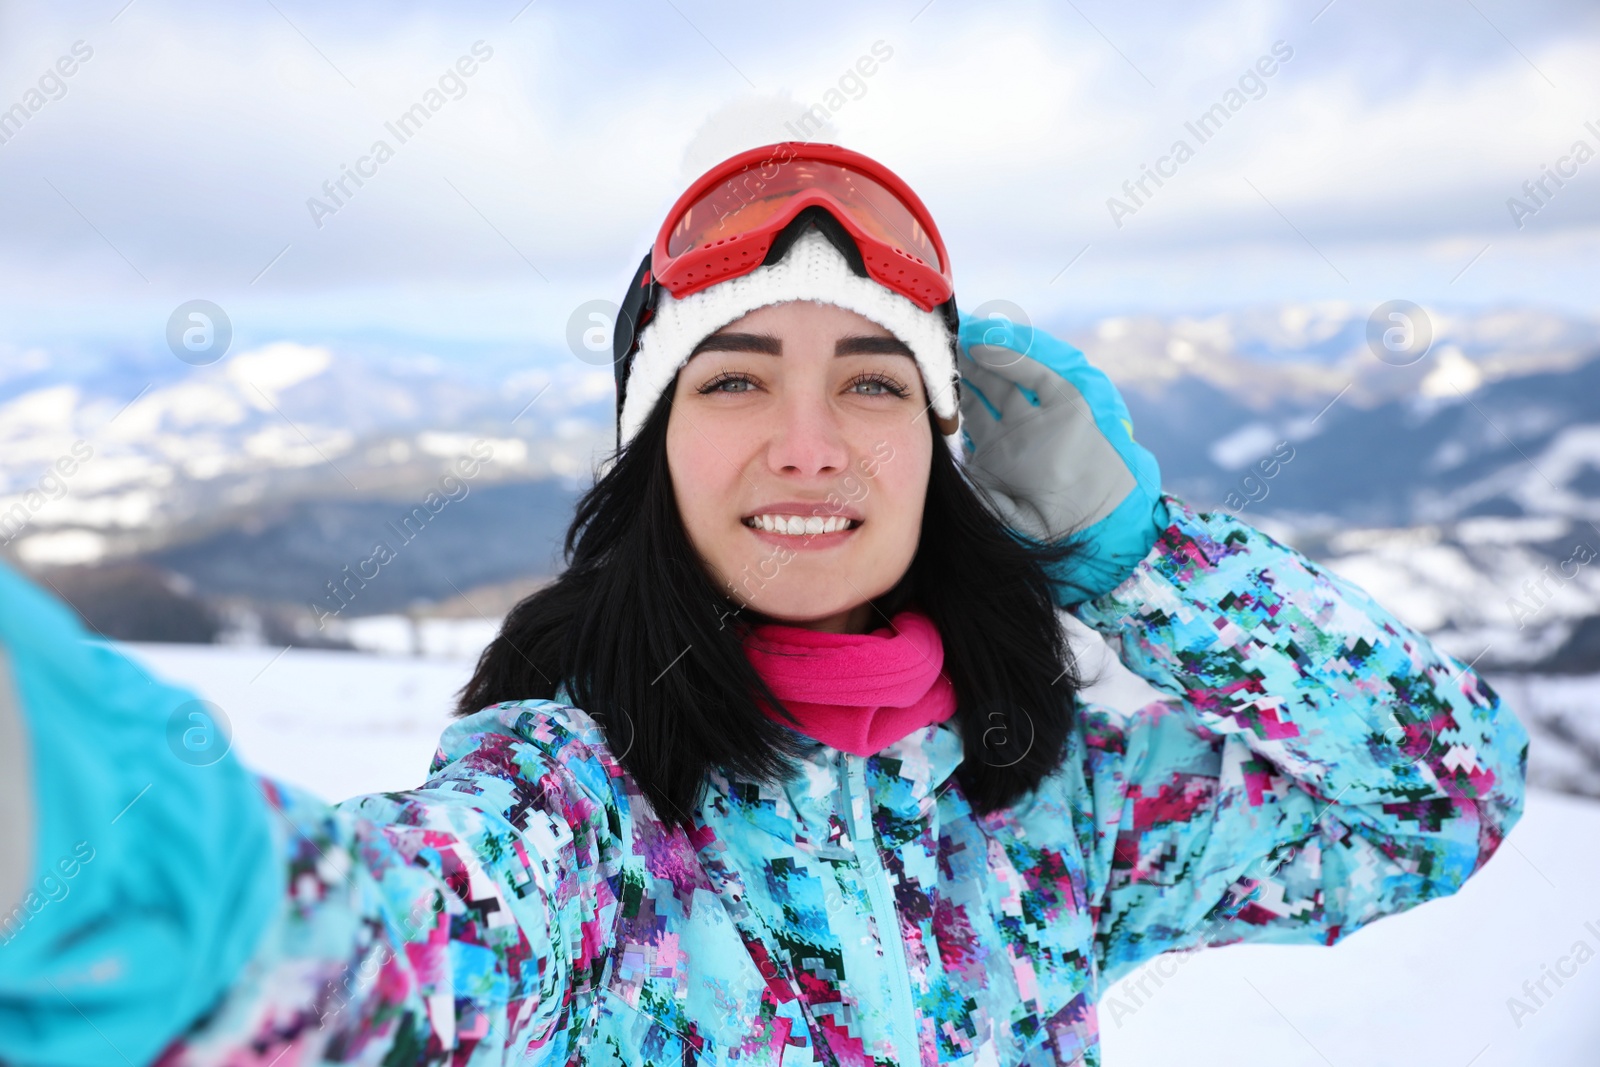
(905, 778)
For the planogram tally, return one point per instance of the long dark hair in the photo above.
(652, 650)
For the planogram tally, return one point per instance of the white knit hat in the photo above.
(812, 269)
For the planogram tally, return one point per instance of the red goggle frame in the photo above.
(726, 223)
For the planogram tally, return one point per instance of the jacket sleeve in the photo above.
(1316, 766)
(181, 910)
(447, 924)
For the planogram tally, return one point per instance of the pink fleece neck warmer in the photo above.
(856, 692)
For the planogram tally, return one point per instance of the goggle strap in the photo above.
(637, 308)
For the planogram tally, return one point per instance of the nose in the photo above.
(807, 438)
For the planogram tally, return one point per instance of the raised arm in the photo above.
(1316, 765)
(177, 909)
(1319, 764)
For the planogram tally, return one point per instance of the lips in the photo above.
(795, 525)
(805, 509)
(813, 522)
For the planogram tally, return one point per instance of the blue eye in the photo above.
(889, 386)
(716, 384)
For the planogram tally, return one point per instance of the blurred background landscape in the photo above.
(419, 359)
(241, 503)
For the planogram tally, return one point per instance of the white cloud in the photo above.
(192, 140)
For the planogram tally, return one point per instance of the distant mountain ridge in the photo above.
(263, 476)
(1517, 446)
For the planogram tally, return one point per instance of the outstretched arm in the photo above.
(177, 909)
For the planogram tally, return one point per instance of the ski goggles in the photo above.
(729, 222)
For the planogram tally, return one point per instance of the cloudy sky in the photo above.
(179, 158)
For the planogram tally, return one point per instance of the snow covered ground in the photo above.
(338, 723)
(1438, 986)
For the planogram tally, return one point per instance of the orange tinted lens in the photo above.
(753, 197)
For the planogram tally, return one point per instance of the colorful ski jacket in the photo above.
(1314, 765)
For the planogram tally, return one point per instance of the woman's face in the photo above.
(811, 420)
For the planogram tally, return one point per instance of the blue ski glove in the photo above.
(1049, 437)
(139, 864)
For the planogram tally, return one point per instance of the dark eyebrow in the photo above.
(767, 344)
(872, 346)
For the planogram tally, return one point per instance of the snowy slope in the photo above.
(340, 724)
(1427, 987)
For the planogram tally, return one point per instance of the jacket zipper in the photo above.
(903, 1018)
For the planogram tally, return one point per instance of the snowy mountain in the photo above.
(1460, 483)
(234, 502)
(104, 456)
(1462, 488)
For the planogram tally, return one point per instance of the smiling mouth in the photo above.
(800, 525)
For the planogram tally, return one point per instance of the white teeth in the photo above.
(798, 525)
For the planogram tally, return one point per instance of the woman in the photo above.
(789, 765)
